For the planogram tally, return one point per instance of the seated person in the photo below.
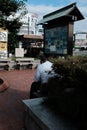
(42, 74)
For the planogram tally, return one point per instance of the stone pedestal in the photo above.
(19, 52)
(40, 117)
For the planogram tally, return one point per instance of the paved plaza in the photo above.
(11, 105)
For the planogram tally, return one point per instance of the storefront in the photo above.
(32, 44)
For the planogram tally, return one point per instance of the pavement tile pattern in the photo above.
(11, 105)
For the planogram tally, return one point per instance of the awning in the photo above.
(33, 37)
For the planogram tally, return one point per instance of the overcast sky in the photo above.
(42, 7)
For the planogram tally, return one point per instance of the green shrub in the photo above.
(68, 93)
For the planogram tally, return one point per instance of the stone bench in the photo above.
(24, 62)
(5, 64)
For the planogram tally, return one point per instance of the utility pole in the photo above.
(28, 24)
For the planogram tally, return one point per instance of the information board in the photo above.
(56, 40)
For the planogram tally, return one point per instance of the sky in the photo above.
(43, 7)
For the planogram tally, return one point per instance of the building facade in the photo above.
(81, 40)
(30, 35)
(30, 26)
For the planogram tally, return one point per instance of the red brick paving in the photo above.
(11, 105)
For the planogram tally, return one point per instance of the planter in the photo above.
(40, 117)
(3, 84)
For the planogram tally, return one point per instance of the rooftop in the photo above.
(68, 11)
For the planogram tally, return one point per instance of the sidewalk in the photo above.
(11, 106)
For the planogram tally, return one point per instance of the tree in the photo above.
(11, 11)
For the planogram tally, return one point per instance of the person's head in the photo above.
(43, 59)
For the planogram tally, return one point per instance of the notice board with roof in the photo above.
(58, 30)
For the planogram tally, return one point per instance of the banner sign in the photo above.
(3, 46)
(3, 35)
(3, 40)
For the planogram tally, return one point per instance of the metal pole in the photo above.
(28, 25)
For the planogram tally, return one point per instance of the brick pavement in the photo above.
(11, 105)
